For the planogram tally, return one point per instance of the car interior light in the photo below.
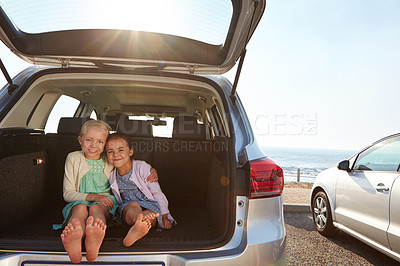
(38, 161)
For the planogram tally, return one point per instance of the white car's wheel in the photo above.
(322, 215)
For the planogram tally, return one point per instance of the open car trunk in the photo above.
(193, 171)
(195, 182)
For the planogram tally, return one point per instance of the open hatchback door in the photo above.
(152, 71)
(203, 37)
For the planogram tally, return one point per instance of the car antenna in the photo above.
(11, 86)
(242, 56)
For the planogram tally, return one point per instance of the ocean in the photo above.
(310, 161)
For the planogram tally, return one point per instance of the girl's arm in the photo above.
(163, 202)
(106, 201)
(70, 186)
(166, 222)
(159, 196)
(154, 188)
(153, 177)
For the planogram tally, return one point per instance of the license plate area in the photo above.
(52, 263)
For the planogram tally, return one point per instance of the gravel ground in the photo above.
(305, 246)
(296, 193)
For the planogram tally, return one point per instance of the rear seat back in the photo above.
(135, 128)
(141, 135)
(186, 127)
(184, 161)
(71, 126)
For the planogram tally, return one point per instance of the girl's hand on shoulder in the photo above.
(106, 201)
(153, 177)
(166, 222)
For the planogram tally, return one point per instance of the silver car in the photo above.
(151, 70)
(360, 197)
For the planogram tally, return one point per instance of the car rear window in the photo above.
(202, 20)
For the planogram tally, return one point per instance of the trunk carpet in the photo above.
(195, 229)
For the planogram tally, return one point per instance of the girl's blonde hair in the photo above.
(94, 123)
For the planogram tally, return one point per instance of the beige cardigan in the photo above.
(75, 168)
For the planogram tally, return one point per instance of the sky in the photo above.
(324, 74)
(317, 74)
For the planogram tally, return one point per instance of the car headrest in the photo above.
(71, 125)
(112, 118)
(135, 128)
(186, 127)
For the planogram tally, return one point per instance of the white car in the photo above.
(361, 195)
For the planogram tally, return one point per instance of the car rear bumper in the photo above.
(258, 254)
(261, 239)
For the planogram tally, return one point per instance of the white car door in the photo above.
(363, 194)
(394, 226)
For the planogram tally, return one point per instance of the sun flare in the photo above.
(136, 15)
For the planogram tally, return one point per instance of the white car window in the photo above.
(93, 115)
(383, 156)
(65, 107)
(163, 131)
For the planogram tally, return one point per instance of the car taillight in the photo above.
(266, 179)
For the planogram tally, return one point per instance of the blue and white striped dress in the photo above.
(130, 192)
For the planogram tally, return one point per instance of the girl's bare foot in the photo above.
(71, 238)
(94, 237)
(151, 216)
(137, 231)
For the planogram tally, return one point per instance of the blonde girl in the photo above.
(87, 190)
